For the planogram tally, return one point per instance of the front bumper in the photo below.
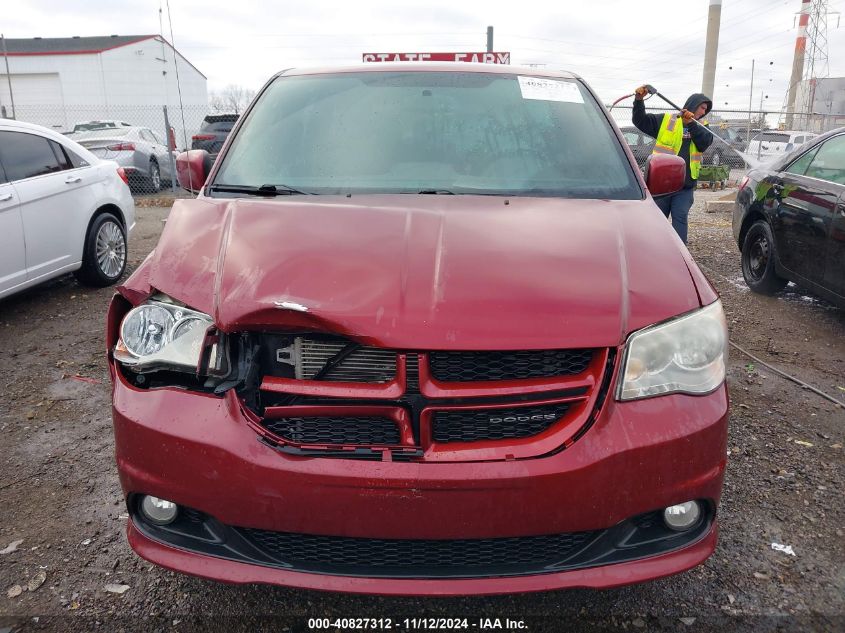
(638, 457)
(598, 577)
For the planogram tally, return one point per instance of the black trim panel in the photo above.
(640, 537)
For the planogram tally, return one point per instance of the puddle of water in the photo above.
(791, 293)
(739, 283)
(69, 388)
(794, 294)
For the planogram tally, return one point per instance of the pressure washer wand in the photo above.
(653, 91)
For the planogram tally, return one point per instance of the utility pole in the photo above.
(489, 39)
(760, 144)
(8, 74)
(750, 97)
(167, 127)
(711, 49)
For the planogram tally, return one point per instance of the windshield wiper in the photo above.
(263, 190)
(437, 192)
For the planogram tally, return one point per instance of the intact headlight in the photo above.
(161, 335)
(686, 355)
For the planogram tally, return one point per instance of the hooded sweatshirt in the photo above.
(650, 124)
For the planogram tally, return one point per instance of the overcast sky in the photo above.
(614, 45)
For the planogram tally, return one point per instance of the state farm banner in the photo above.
(483, 58)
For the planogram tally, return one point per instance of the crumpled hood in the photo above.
(429, 272)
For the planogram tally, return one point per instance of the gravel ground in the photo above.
(61, 502)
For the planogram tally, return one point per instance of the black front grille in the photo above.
(345, 555)
(325, 430)
(412, 368)
(191, 515)
(508, 365)
(495, 424)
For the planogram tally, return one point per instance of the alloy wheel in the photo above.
(111, 249)
(758, 257)
(155, 176)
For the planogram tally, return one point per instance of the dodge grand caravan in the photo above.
(423, 330)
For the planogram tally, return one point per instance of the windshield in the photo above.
(450, 132)
(218, 126)
(726, 133)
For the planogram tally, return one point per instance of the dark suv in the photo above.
(215, 128)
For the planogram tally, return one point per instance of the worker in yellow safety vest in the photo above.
(677, 134)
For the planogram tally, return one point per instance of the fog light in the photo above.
(158, 511)
(682, 516)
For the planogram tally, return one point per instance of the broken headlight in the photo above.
(685, 355)
(163, 335)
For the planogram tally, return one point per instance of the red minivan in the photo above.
(423, 330)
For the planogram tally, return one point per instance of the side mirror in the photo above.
(192, 168)
(665, 174)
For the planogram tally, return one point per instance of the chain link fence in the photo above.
(137, 137)
(143, 139)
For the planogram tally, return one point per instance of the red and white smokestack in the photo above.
(798, 59)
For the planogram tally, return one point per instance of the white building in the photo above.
(57, 82)
(820, 104)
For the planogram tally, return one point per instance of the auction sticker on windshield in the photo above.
(549, 90)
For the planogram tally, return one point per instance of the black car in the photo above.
(215, 128)
(725, 153)
(789, 220)
(718, 153)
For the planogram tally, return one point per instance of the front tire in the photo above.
(154, 181)
(104, 255)
(758, 260)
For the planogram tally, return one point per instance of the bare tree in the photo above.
(232, 99)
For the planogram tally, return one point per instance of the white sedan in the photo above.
(62, 210)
